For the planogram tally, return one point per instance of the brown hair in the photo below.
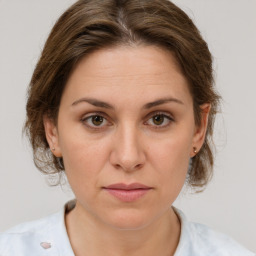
(89, 25)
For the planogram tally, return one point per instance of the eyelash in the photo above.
(167, 117)
(85, 119)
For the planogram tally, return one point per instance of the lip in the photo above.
(127, 186)
(128, 192)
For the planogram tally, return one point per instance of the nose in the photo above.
(127, 151)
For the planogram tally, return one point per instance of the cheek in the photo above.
(170, 157)
(84, 159)
(172, 152)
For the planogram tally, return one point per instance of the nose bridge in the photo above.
(128, 150)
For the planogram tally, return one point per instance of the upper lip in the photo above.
(128, 186)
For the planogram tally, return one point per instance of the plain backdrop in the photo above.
(228, 204)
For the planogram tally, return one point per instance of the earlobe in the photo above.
(52, 136)
(200, 131)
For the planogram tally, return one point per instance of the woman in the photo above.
(122, 101)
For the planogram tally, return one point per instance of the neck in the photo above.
(89, 236)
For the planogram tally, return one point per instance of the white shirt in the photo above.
(48, 237)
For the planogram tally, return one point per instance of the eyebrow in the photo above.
(162, 101)
(94, 102)
(102, 104)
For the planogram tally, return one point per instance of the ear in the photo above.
(200, 130)
(52, 136)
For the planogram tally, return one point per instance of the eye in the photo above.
(95, 121)
(160, 120)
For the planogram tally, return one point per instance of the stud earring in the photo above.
(53, 149)
(194, 150)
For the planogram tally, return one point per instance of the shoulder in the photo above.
(200, 240)
(34, 226)
(36, 238)
(215, 243)
(27, 235)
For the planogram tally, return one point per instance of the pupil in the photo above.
(158, 119)
(97, 120)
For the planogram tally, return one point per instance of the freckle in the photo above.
(46, 245)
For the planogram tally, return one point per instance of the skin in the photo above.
(132, 141)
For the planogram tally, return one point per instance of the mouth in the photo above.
(127, 192)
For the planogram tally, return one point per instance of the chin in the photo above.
(128, 219)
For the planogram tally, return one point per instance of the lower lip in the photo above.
(128, 195)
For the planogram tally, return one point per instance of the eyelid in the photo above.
(164, 114)
(159, 112)
(96, 113)
(92, 114)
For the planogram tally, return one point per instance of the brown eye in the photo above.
(158, 119)
(97, 120)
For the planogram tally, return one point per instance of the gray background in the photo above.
(228, 204)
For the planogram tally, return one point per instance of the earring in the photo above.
(53, 149)
(194, 150)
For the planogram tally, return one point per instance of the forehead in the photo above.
(128, 71)
(128, 61)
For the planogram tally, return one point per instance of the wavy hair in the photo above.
(89, 25)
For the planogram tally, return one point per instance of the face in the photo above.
(126, 132)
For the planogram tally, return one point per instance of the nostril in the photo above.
(138, 166)
(127, 153)
(129, 168)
